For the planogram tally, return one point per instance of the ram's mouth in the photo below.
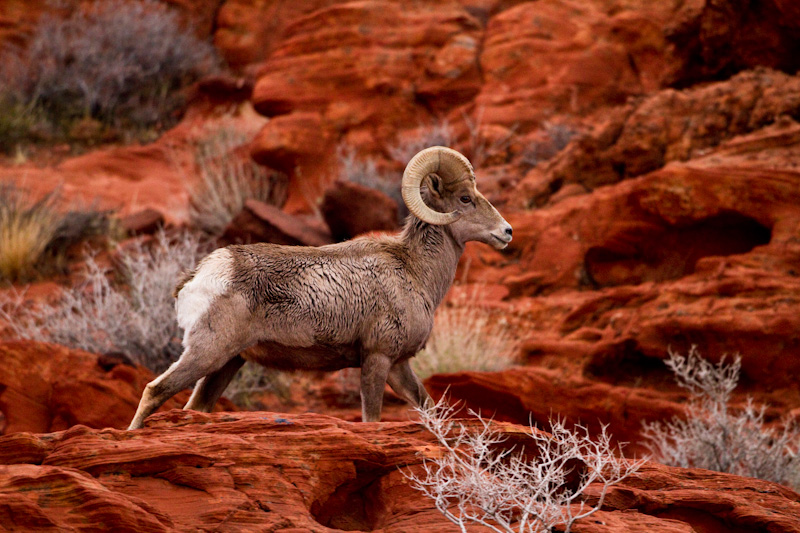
(499, 242)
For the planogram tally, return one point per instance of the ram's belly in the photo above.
(281, 356)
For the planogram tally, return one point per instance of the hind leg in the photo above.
(195, 363)
(405, 382)
(210, 388)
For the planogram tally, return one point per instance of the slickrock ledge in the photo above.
(262, 471)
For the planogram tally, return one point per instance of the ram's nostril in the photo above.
(509, 231)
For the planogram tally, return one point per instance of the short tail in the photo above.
(186, 277)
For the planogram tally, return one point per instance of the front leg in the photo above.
(374, 370)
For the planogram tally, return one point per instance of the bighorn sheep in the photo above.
(368, 302)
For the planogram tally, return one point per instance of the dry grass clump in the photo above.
(35, 236)
(128, 309)
(367, 172)
(228, 177)
(479, 479)
(113, 64)
(716, 437)
(26, 229)
(466, 336)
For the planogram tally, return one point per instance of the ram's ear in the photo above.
(435, 185)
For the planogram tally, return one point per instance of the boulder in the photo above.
(146, 221)
(672, 125)
(47, 387)
(260, 222)
(351, 209)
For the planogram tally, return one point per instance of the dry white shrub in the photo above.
(228, 178)
(437, 134)
(478, 480)
(556, 138)
(253, 379)
(467, 336)
(715, 437)
(134, 314)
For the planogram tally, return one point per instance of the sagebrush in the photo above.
(120, 63)
(556, 137)
(714, 435)
(128, 309)
(436, 134)
(477, 478)
(253, 379)
(467, 336)
(227, 178)
(366, 171)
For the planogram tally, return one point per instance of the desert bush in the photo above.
(437, 134)
(118, 62)
(253, 379)
(556, 138)
(35, 235)
(26, 228)
(466, 336)
(477, 479)
(714, 436)
(228, 178)
(128, 310)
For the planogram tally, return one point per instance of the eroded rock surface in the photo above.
(271, 472)
(47, 387)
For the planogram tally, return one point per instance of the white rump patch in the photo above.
(210, 281)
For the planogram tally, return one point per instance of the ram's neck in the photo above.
(433, 255)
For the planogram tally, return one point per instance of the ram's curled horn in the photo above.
(449, 165)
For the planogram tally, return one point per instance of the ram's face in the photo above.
(479, 220)
(446, 180)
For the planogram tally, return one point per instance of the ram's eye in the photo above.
(466, 199)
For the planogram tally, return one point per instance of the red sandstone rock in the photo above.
(696, 253)
(601, 280)
(144, 221)
(260, 222)
(188, 470)
(356, 73)
(46, 387)
(541, 57)
(669, 126)
(248, 31)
